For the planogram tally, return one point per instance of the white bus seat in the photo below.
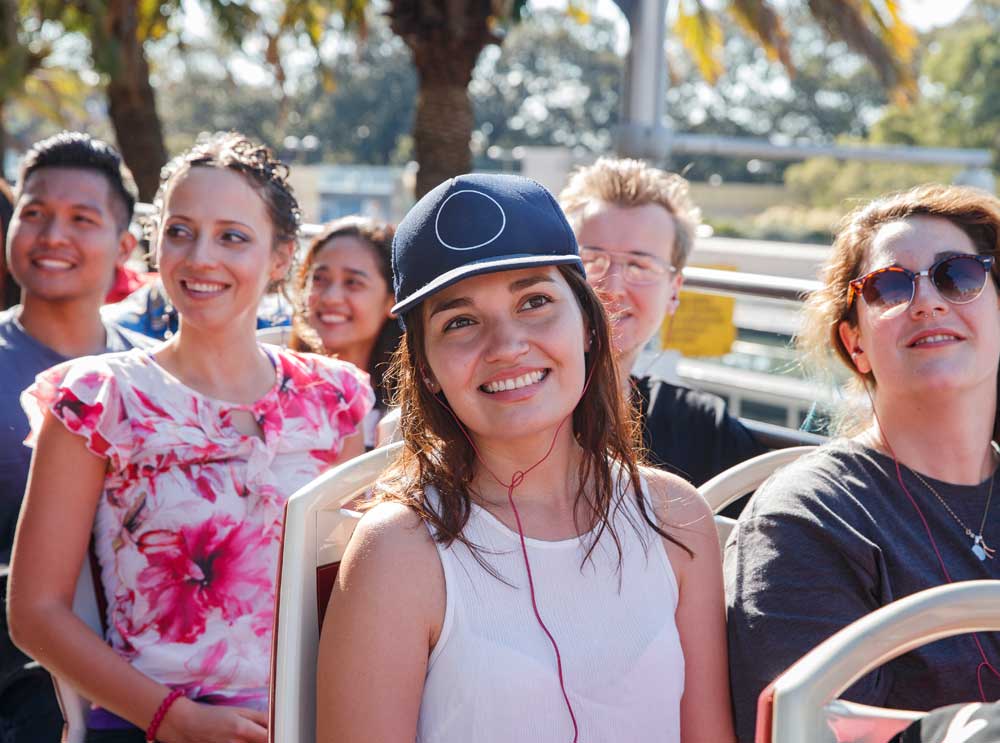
(279, 335)
(388, 427)
(315, 535)
(747, 476)
(724, 525)
(802, 705)
(743, 478)
(74, 706)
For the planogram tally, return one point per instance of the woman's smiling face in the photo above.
(507, 350)
(215, 248)
(347, 299)
(933, 344)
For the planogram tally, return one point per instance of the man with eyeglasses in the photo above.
(635, 225)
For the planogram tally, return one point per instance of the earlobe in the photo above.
(675, 295)
(851, 340)
(282, 261)
(126, 245)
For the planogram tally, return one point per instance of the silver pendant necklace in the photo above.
(979, 547)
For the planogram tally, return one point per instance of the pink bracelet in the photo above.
(161, 712)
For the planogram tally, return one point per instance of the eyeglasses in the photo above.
(889, 291)
(637, 269)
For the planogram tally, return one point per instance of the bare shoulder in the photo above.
(388, 534)
(677, 502)
(686, 517)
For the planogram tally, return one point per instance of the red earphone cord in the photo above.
(516, 479)
(985, 665)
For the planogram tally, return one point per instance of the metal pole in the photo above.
(642, 132)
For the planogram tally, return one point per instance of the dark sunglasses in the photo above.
(957, 278)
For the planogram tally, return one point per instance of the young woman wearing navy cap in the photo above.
(520, 577)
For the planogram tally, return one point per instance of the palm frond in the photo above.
(850, 21)
(759, 19)
(701, 34)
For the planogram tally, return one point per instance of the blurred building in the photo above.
(327, 191)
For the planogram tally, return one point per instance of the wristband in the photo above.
(161, 712)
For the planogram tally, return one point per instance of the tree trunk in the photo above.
(132, 104)
(442, 127)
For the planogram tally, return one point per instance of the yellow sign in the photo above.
(702, 325)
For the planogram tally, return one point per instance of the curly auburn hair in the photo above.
(378, 236)
(265, 173)
(975, 212)
(436, 451)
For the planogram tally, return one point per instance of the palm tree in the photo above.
(118, 31)
(446, 38)
(872, 28)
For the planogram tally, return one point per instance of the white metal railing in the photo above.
(752, 284)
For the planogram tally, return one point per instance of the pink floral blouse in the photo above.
(188, 527)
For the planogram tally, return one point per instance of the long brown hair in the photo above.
(975, 212)
(378, 236)
(436, 452)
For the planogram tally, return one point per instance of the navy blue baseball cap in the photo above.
(475, 224)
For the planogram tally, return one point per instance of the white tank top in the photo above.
(492, 676)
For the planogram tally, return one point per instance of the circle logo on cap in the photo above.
(469, 219)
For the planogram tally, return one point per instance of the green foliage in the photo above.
(364, 119)
(785, 223)
(552, 83)
(825, 182)
(833, 93)
(872, 28)
(960, 106)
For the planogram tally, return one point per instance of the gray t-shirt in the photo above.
(829, 539)
(21, 358)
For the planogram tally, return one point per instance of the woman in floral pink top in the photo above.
(181, 459)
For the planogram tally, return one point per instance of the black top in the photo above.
(832, 537)
(689, 432)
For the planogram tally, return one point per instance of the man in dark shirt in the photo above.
(69, 231)
(635, 226)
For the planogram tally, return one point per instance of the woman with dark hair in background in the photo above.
(342, 294)
(904, 501)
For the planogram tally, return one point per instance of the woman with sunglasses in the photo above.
(904, 500)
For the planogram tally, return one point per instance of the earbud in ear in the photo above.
(861, 364)
(431, 385)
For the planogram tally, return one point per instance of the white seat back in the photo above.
(388, 427)
(73, 704)
(747, 476)
(316, 532)
(741, 479)
(800, 704)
